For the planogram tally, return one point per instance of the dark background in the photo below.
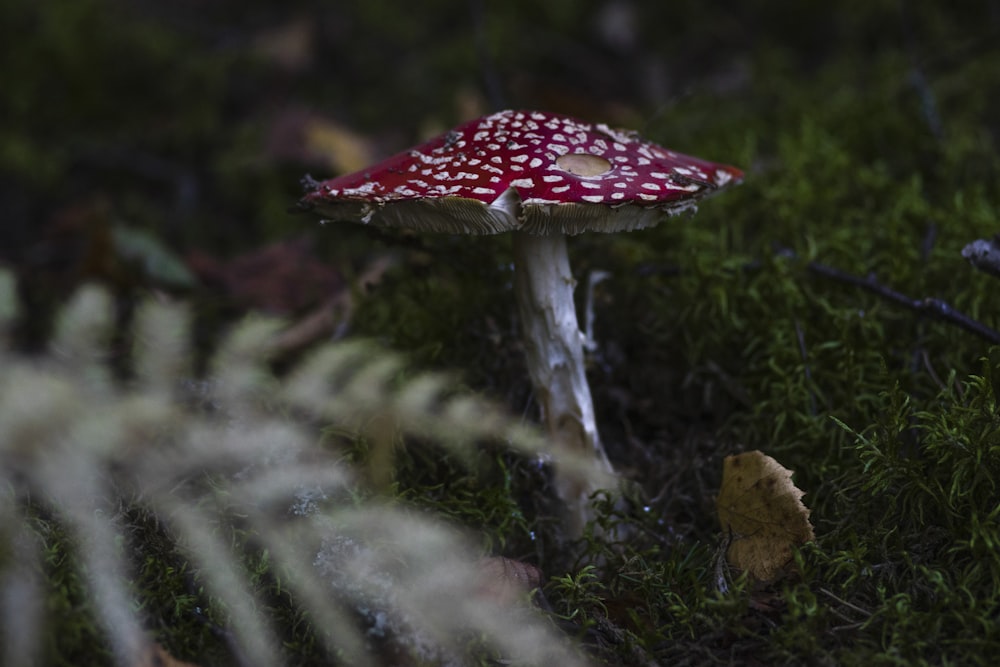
(188, 119)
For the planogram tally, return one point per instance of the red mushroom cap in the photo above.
(523, 170)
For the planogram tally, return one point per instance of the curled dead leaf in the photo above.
(762, 513)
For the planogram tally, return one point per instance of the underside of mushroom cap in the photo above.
(457, 215)
(521, 170)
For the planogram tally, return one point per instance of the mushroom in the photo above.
(540, 176)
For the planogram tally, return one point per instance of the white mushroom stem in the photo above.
(543, 285)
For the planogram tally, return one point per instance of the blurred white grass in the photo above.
(85, 447)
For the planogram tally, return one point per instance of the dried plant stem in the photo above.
(929, 306)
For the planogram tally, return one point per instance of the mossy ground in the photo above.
(870, 142)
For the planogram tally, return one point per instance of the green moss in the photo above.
(70, 634)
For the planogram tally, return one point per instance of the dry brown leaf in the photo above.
(283, 278)
(344, 149)
(506, 581)
(761, 510)
(305, 136)
(157, 656)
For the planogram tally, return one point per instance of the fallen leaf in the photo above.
(308, 137)
(761, 511)
(157, 656)
(282, 278)
(506, 581)
(150, 255)
(83, 242)
(342, 147)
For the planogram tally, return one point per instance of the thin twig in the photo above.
(861, 610)
(929, 367)
(928, 306)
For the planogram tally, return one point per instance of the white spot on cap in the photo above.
(483, 191)
(560, 189)
(694, 187)
(535, 163)
(617, 195)
(591, 185)
(596, 199)
(650, 186)
(552, 178)
(519, 158)
(365, 189)
(722, 177)
(522, 183)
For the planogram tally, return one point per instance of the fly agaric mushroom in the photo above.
(542, 177)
